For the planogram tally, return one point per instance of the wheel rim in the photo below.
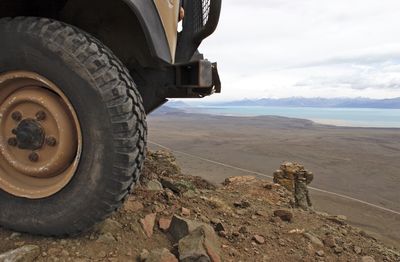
(40, 136)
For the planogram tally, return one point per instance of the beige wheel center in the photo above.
(40, 136)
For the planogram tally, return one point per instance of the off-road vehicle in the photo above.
(77, 78)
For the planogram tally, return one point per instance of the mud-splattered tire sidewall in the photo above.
(111, 117)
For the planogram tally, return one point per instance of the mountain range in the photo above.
(393, 103)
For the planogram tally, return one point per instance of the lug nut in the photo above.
(17, 116)
(51, 141)
(12, 141)
(41, 115)
(33, 157)
(14, 131)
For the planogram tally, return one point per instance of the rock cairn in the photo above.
(295, 178)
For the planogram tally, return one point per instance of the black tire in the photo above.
(110, 113)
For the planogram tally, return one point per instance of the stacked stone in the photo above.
(295, 178)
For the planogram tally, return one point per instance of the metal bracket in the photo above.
(195, 79)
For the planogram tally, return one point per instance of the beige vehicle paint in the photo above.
(169, 14)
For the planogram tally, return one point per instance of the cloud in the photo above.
(353, 73)
(271, 48)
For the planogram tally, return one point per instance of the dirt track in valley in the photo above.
(362, 163)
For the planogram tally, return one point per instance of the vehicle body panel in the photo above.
(152, 26)
(169, 14)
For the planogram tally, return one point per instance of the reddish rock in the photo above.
(164, 224)
(259, 239)
(212, 251)
(329, 241)
(148, 224)
(284, 215)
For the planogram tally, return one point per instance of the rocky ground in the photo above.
(176, 217)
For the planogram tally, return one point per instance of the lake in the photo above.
(360, 117)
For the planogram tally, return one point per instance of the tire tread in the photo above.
(121, 97)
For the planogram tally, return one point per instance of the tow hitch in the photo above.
(195, 79)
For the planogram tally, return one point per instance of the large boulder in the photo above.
(181, 227)
(197, 241)
(201, 245)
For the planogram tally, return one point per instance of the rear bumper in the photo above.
(195, 80)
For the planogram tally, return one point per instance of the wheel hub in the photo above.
(29, 135)
(40, 139)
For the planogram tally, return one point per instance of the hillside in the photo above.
(243, 220)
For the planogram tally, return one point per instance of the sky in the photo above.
(307, 48)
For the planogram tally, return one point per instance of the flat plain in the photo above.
(359, 163)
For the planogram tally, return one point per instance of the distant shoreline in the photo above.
(341, 117)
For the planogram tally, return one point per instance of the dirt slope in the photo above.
(253, 221)
(361, 163)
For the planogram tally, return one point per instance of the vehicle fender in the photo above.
(148, 16)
